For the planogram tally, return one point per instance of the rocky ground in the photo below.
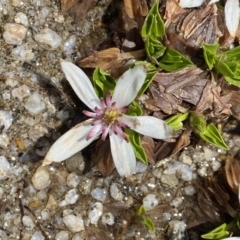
(37, 106)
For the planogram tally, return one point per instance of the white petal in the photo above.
(190, 3)
(123, 155)
(231, 238)
(70, 143)
(232, 16)
(128, 86)
(81, 84)
(213, 1)
(149, 126)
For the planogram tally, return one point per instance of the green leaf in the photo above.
(153, 24)
(233, 54)
(134, 109)
(103, 82)
(208, 133)
(172, 60)
(209, 53)
(151, 73)
(154, 49)
(148, 80)
(176, 121)
(135, 140)
(212, 135)
(141, 210)
(197, 121)
(148, 223)
(219, 232)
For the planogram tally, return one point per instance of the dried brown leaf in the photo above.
(212, 99)
(183, 141)
(103, 158)
(67, 4)
(148, 145)
(109, 58)
(172, 12)
(134, 8)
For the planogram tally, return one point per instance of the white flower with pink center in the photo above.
(107, 117)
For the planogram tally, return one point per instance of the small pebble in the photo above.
(14, 33)
(28, 222)
(140, 167)
(4, 168)
(37, 236)
(68, 45)
(21, 92)
(21, 18)
(6, 119)
(70, 198)
(99, 194)
(41, 178)
(189, 190)
(34, 104)
(115, 192)
(48, 39)
(176, 202)
(150, 201)
(95, 212)
(73, 180)
(73, 223)
(62, 235)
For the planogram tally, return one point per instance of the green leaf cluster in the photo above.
(222, 231)
(208, 133)
(104, 83)
(227, 63)
(153, 29)
(217, 233)
(176, 121)
(144, 219)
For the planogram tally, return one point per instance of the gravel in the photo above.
(59, 201)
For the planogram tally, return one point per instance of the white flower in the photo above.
(107, 117)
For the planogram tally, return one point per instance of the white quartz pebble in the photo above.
(99, 194)
(48, 39)
(73, 180)
(35, 104)
(21, 18)
(95, 212)
(28, 222)
(115, 192)
(4, 167)
(150, 201)
(6, 119)
(62, 235)
(37, 236)
(21, 92)
(14, 33)
(70, 198)
(69, 44)
(41, 178)
(73, 223)
(189, 190)
(4, 140)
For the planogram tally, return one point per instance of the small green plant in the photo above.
(208, 132)
(141, 213)
(222, 231)
(227, 63)
(152, 31)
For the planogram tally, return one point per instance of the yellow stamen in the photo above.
(110, 116)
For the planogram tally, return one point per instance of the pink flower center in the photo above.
(106, 119)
